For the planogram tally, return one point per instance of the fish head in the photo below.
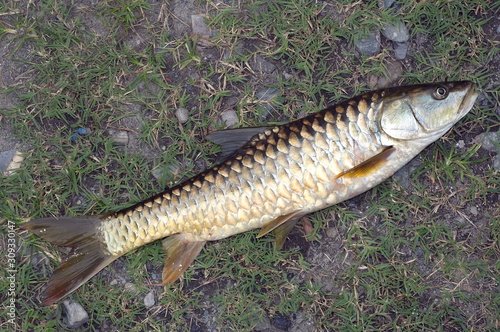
(424, 112)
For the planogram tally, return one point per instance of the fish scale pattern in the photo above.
(284, 169)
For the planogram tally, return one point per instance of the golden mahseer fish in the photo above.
(269, 179)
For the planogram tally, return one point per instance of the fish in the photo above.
(269, 178)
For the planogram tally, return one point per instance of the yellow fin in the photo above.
(281, 227)
(180, 254)
(369, 166)
(282, 231)
(85, 259)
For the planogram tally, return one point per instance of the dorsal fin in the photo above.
(231, 140)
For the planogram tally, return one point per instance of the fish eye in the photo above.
(440, 93)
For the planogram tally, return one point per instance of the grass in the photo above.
(410, 254)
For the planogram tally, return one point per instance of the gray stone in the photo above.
(384, 4)
(393, 74)
(182, 115)
(6, 158)
(400, 50)
(229, 117)
(120, 137)
(230, 102)
(369, 45)
(491, 141)
(73, 314)
(262, 65)
(113, 282)
(396, 32)
(332, 232)
(130, 287)
(200, 27)
(149, 299)
(496, 163)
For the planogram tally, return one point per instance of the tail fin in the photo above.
(85, 259)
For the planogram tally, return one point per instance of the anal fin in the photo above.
(281, 232)
(180, 254)
(281, 227)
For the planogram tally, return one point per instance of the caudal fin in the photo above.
(85, 259)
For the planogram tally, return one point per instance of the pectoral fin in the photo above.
(281, 227)
(369, 166)
(180, 254)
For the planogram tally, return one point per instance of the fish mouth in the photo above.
(468, 100)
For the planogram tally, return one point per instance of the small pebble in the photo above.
(73, 314)
(6, 158)
(496, 163)
(201, 29)
(130, 287)
(287, 76)
(369, 45)
(119, 137)
(384, 4)
(396, 32)
(394, 73)
(229, 117)
(332, 232)
(490, 141)
(182, 115)
(149, 299)
(262, 65)
(400, 50)
(372, 81)
(199, 26)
